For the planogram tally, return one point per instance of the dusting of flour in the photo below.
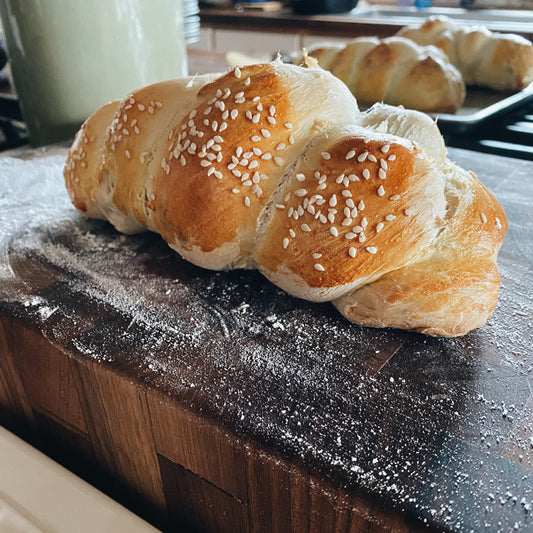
(432, 426)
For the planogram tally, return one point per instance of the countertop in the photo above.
(403, 430)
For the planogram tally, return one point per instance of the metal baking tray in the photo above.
(480, 105)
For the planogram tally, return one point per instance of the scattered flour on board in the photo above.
(292, 374)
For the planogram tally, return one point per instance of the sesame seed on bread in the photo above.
(227, 156)
(354, 207)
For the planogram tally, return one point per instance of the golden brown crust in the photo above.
(485, 58)
(435, 93)
(435, 297)
(354, 208)
(453, 287)
(134, 142)
(395, 71)
(221, 169)
(140, 120)
(226, 157)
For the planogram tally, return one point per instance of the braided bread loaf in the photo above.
(272, 166)
(499, 61)
(396, 71)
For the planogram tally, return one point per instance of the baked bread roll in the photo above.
(503, 62)
(272, 166)
(396, 71)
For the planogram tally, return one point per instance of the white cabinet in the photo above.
(260, 45)
(263, 44)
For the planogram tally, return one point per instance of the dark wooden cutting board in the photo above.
(216, 401)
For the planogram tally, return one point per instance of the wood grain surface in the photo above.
(212, 401)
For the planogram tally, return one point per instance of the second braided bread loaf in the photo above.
(395, 71)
